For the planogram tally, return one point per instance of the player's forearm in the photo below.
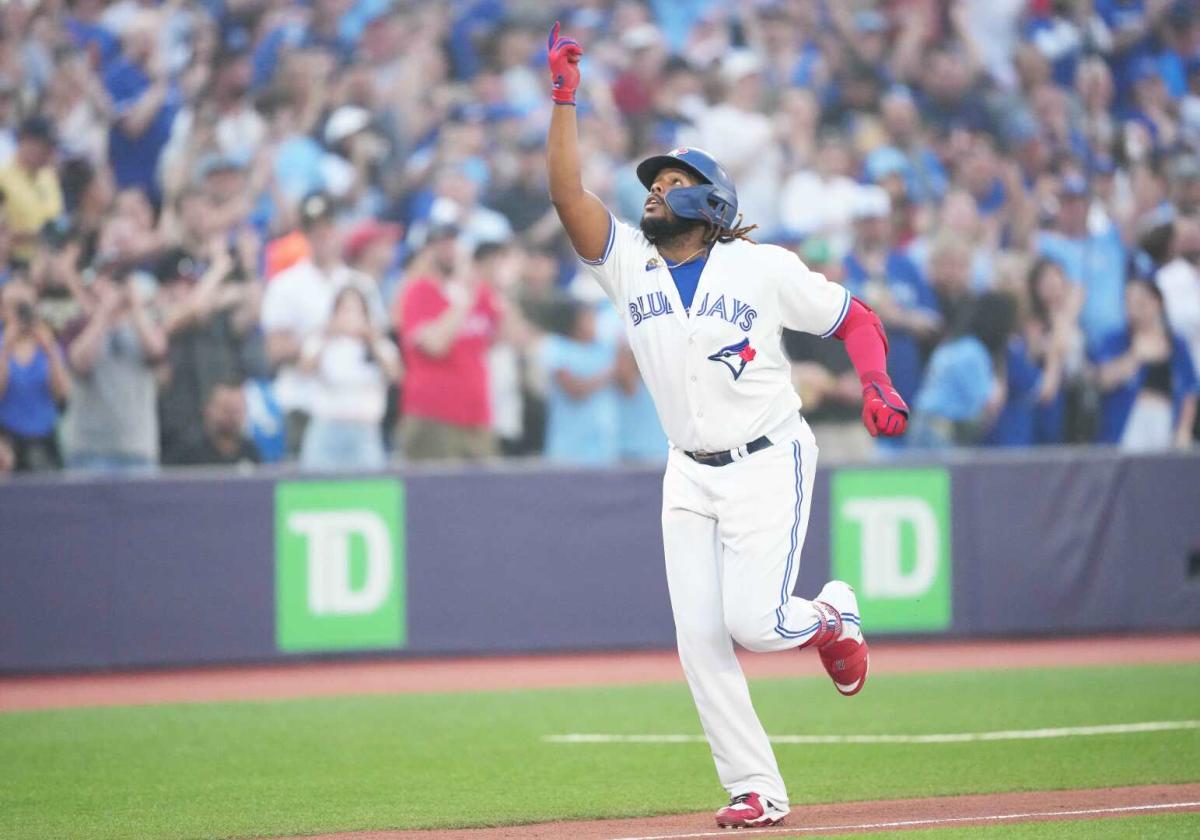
(562, 157)
(866, 343)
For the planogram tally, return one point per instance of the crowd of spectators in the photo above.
(238, 231)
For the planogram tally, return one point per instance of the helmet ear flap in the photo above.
(723, 210)
(703, 203)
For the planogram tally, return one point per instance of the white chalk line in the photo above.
(935, 738)
(1083, 812)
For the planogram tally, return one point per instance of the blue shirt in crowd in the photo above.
(297, 166)
(1116, 404)
(639, 432)
(1098, 262)
(1024, 420)
(135, 159)
(580, 431)
(958, 381)
(1118, 15)
(909, 289)
(91, 35)
(1061, 41)
(27, 407)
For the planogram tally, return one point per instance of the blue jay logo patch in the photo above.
(735, 356)
(652, 263)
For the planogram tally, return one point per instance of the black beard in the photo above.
(664, 229)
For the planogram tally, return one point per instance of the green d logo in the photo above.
(891, 542)
(339, 565)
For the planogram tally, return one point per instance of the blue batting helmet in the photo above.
(714, 201)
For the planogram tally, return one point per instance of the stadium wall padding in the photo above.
(182, 570)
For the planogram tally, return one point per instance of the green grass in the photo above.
(1158, 826)
(305, 766)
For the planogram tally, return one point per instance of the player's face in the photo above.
(664, 182)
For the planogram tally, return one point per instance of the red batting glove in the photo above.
(564, 56)
(884, 411)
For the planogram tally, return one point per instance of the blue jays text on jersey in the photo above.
(740, 314)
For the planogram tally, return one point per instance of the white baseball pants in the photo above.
(732, 537)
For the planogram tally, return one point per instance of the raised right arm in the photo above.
(583, 215)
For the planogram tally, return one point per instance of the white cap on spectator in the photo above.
(738, 64)
(345, 122)
(641, 36)
(872, 202)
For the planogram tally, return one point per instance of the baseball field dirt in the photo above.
(330, 679)
(1157, 810)
(942, 812)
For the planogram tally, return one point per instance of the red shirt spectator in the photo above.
(453, 387)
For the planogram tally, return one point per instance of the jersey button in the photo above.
(693, 377)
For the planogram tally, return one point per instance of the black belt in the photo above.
(720, 459)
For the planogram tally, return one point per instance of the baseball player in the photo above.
(705, 307)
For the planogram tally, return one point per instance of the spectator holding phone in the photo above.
(297, 305)
(33, 380)
(352, 365)
(111, 423)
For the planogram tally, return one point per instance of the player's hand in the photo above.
(884, 410)
(564, 54)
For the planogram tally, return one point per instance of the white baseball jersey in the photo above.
(718, 375)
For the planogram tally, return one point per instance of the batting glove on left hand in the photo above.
(884, 410)
(563, 54)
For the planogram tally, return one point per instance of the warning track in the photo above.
(405, 676)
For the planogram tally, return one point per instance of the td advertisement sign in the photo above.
(339, 565)
(891, 542)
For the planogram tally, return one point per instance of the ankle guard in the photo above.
(830, 626)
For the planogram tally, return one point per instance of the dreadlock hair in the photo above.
(726, 235)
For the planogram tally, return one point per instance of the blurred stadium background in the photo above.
(295, 361)
(1017, 176)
